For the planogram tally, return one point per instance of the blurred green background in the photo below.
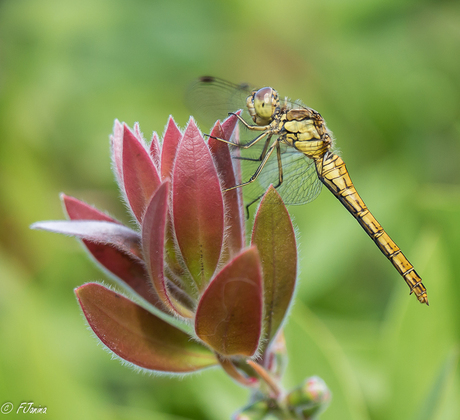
(385, 74)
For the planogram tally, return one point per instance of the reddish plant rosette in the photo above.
(198, 294)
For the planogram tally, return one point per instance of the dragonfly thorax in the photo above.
(263, 104)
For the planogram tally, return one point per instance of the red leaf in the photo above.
(79, 210)
(171, 141)
(127, 269)
(274, 237)
(116, 143)
(153, 244)
(230, 128)
(137, 132)
(140, 176)
(101, 232)
(137, 335)
(234, 218)
(237, 375)
(171, 138)
(198, 211)
(155, 150)
(229, 124)
(229, 314)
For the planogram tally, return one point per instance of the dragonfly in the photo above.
(291, 148)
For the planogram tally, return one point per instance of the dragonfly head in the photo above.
(263, 104)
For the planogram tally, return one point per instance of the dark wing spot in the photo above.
(207, 79)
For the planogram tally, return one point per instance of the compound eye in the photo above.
(265, 103)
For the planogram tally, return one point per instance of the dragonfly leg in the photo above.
(280, 179)
(258, 170)
(242, 146)
(280, 166)
(249, 126)
(262, 155)
(250, 204)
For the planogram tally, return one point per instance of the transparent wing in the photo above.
(210, 99)
(300, 181)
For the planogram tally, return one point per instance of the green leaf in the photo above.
(274, 237)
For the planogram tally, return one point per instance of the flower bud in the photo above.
(309, 399)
